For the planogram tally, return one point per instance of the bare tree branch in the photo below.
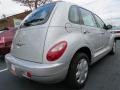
(32, 4)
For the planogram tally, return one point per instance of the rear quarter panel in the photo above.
(74, 40)
(57, 33)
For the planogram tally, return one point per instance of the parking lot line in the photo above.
(3, 70)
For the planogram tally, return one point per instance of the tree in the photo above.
(32, 4)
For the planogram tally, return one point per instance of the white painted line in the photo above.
(3, 70)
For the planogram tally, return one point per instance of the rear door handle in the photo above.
(85, 32)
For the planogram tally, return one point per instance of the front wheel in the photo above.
(113, 48)
(78, 70)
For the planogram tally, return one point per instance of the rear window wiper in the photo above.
(28, 23)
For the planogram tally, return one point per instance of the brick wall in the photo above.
(8, 22)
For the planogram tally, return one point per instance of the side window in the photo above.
(100, 22)
(88, 18)
(74, 15)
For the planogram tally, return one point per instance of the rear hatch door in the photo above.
(28, 44)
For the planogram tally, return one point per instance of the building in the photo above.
(10, 21)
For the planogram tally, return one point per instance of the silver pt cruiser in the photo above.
(59, 41)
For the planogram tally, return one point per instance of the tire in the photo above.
(78, 70)
(2, 57)
(113, 51)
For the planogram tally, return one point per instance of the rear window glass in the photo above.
(38, 16)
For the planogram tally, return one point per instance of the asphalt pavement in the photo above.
(103, 75)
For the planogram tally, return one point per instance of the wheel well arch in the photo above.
(87, 51)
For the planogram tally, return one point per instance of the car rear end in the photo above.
(6, 38)
(26, 58)
(2, 45)
(116, 33)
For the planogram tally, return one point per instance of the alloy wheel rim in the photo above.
(82, 71)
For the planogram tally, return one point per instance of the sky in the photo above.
(8, 7)
(106, 9)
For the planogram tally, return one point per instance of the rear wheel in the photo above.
(78, 70)
(2, 57)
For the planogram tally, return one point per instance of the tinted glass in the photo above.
(99, 21)
(88, 18)
(39, 16)
(74, 15)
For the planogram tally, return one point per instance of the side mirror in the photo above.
(108, 27)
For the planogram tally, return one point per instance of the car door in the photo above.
(90, 30)
(104, 33)
(74, 24)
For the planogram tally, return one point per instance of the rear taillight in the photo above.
(56, 51)
(2, 39)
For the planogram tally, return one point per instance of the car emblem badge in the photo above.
(19, 43)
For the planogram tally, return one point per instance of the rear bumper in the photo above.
(45, 73)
